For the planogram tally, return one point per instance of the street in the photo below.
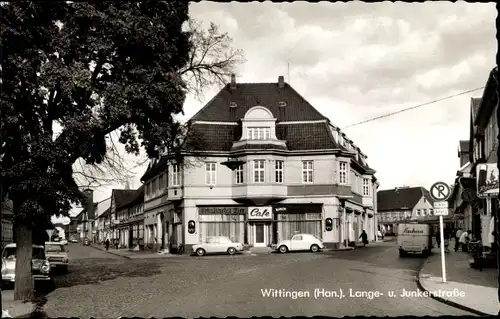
(102, 285)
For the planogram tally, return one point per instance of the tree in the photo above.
(89, 69)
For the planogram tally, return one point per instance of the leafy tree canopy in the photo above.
(90, 69)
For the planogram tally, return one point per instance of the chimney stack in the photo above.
(281, 81)
(233, 82)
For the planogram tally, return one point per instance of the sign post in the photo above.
(440, 192)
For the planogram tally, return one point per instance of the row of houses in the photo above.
(258, 164)
(476, 186)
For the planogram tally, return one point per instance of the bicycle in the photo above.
(476, 250)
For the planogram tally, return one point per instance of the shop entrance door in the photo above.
(260, 235)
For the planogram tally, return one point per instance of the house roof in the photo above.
(218, 125)
(102, 206)
(122, 196)
(248, 95)
(136, 198)
(464, 146)
(475, 102)
(402, 198)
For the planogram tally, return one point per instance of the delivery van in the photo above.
(414, 238)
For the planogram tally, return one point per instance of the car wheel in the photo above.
(231, 251)
(200, 251)
(314, 248)
(283, 249)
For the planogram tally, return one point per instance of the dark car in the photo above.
(86, 241)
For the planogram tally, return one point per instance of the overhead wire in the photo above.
(412, 108)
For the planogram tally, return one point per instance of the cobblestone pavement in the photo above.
(232, 285)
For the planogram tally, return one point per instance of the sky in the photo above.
(356, 61)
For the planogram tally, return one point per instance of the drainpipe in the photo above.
(497, 224)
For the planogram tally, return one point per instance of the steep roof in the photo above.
(248, 95)
(137, 198)
(475, 102)
(464, 146)
(123, 196)
(401, 198)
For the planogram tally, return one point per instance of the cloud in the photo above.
(355, 61)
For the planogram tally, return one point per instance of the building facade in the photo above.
(464, 190)
(404, 204)
(119, 197)
(259, 164)
(131, 221)
(483, 150)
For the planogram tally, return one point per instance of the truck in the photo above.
(414, 238)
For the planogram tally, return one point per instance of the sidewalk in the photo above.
(135, 254)
(466, 288)
(16, 308)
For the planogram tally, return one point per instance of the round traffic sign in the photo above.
(440, 191)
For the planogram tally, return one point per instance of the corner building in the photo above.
(259, 164)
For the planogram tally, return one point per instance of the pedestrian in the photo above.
(438, 238)
(364, 238)
(463, 240)
(107, 244)
(457, 238)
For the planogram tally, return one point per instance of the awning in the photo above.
(369, 212)
(357, 209)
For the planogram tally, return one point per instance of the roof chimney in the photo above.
(233, 82)
(281, 81)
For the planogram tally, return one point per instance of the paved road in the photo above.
(78, 251)
(232, 286)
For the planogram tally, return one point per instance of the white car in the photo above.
(217, 244)
(300, 242)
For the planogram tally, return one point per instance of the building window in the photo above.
(259, 133)
(259, 171)
(279, 171)
(156, 186)
(239, 174)
(342, 173)
(418, 212)
(307, 171)
(366, 187)
(176, 175)
(210, 175)
(424, 212)
(431, 212)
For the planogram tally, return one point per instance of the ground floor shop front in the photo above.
(263, 226)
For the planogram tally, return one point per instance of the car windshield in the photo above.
(10, 253)
(54, 248)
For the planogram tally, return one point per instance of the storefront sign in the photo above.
(259, 212)
(222, 210)
(487, 180)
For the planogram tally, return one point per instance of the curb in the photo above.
(443, 300)
(110, 252)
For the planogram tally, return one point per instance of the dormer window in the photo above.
(259, 133)
(282, 104)
(232, 104)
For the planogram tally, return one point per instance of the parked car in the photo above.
(86, 241)
(57, 254)
(73, 240)
(300, 242)
(40, 264)
(217, 244)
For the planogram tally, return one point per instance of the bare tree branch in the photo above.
(212, 59)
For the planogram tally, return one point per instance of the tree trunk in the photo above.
(24, 287)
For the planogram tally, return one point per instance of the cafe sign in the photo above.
(261, 212)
